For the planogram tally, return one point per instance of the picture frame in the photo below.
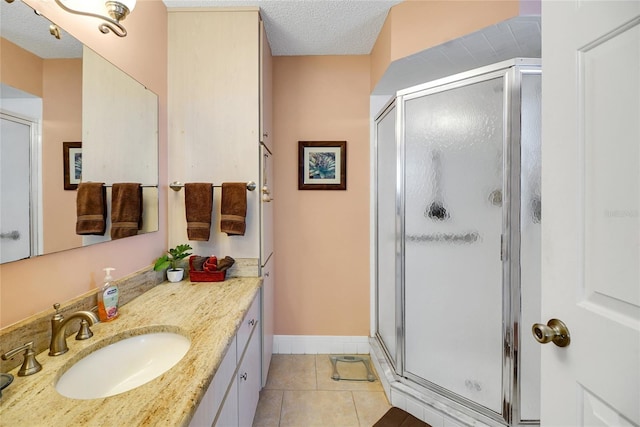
(72, 164)
(322, 165)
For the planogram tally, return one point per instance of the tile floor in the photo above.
(300, 393)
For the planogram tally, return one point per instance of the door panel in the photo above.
(591, 221)
(15, 170)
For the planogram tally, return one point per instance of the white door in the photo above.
(15, 172)
(590, 217)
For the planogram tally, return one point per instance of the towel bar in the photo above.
(177, 186)
(143, 186)
(443, 237)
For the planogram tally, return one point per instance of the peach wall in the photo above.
(416, 25)
(322, 237)
(381, 52)
(62, 85)
(30, 286)
(322, 241)
(20, 68)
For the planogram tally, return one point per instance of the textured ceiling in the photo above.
(22, 26)
(321, 27)
(294, 27)
(313, 27)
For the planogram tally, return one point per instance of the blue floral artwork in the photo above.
(72, 156)
(77, 165)
(322, 165)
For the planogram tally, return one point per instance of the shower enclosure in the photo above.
(457, 169)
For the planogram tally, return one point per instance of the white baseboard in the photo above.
(320, 344)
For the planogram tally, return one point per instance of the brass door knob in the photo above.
(554, 331)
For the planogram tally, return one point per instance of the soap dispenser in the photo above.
(108, 298)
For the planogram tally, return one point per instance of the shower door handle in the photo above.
(554, 331)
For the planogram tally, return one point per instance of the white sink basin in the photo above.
(123, 365)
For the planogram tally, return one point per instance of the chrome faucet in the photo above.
(59, 324)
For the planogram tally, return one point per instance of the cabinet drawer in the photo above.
(248, 323)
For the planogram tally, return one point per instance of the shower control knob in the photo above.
(554, 331)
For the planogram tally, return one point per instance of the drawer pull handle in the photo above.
(252, 322)
(243, 376)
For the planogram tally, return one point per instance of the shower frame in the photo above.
(512, 71)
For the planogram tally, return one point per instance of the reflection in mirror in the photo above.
(56, 91)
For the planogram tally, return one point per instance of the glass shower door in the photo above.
(386, 288)
(453, 222)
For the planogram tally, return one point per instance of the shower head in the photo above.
(437, 211)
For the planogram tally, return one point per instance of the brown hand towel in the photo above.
(198, 201)
(126, 209)
(197, 262)
(234, 208)
(91, 208)
(225, 263)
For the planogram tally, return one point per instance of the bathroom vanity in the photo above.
(218, 378)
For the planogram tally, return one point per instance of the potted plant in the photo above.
(172, 259)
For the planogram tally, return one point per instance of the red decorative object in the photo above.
(205, 276)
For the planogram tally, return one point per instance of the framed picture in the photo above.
(72, 166)
(322, 165)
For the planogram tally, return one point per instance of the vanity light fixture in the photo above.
(117, 11)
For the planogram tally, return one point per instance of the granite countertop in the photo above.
(208, 313)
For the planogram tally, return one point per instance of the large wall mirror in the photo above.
(67, 116)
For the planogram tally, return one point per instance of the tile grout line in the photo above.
(355, 408)
(315, 365)
(281, 408)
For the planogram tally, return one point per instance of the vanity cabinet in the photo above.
(232, 397)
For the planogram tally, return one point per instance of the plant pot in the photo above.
(175, 275)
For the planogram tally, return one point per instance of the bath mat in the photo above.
(352, 367)
(396, 417)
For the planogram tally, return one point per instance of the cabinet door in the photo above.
(249, 381)
(266, 206)
(247, 326)
(210, 403)
(266, 89)
(214, 89)
(267, 319)
(228, 416)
